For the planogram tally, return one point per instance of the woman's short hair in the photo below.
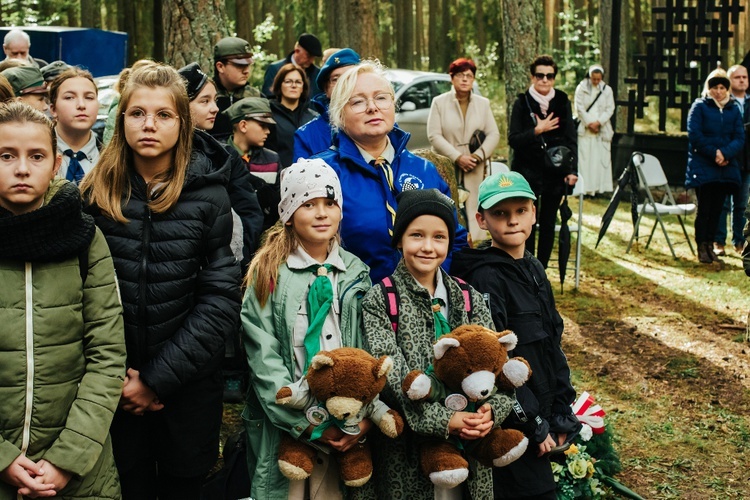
(543, 60)
(462, 64)
(281, 76)
(345, 87)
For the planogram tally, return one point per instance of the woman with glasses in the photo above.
(289, 110)
(542, 119)
(165, 213)
(454, 118)
(370, 157)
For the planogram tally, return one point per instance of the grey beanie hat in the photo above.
(305, 180)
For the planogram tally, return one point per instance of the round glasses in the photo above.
(136, 118)
(293, 83)
(381, 101)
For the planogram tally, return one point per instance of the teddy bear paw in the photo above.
(513, 454)
(284, 395)
(449, 478)
(516, 371)
(356, 483)
(392, 425)
(293, 472)
(419, 387)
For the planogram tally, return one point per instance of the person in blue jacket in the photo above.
(370, 157)
(316, 136)
(716, 138)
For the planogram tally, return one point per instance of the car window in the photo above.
(420, 94)
(441, 87)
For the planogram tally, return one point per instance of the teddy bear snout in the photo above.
(478, 385)
(342, 407)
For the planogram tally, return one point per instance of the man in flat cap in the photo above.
(232, 61)
(305, 51)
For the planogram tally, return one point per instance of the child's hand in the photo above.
(472, 425)
(137, 397)
(347, 441)
(54, 475)
(26, 476)
(546, 446)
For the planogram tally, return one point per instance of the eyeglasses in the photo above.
(542, 76)
(468, 75)
(381, 101)
(293, 83)
(136, 118)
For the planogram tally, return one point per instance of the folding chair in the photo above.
(651, 175)
(497, 167)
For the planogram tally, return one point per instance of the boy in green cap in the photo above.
(520, 297)
(251, 121)
(28, 85)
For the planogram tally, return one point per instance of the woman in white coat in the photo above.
(454, 117)
(595, 105)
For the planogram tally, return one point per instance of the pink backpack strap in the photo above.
(390, 294)
(466, 290)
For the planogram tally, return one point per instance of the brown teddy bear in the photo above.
(341, 388)
(470, 364)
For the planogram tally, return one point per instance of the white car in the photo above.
(415, 91)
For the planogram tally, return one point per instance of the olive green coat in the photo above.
(62, 363)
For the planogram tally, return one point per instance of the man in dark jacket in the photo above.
(232, 60)
(305, 51)
(737, 203)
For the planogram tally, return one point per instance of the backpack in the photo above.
(390, 294)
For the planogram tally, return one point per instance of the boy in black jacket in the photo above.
(520, 299)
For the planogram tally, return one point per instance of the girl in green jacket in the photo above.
(62, 348)
(303, 296)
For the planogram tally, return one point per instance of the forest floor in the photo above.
(660, 344)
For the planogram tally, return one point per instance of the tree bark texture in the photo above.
(192, 28)
(523, 21)
(243, 18)
(434, 35)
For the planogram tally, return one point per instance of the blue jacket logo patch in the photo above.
(409, 182)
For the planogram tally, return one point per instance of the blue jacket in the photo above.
(711, 128)
(366, 222)
(316, 135)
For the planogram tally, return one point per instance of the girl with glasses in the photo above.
(289, 110)
(165, 212)
(541, 119)
(374, 166)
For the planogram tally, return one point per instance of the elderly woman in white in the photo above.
(454, 117)
(595, 105)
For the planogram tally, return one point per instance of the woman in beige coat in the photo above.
(454, 117)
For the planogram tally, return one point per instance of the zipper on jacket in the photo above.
(143, 287)
(29, 317)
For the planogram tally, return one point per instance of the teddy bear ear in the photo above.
(384, 365)
(320, 360)
(442, 346)
(508, 339)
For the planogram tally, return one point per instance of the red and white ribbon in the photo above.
(589, 413)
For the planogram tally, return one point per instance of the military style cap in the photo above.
(26, 80)
(311, 44)
(501, 186)
(250, 108)
(234, 50)
(339, 59)
(50, 71)
(194, 78)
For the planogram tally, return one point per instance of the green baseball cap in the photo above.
(233, 49)
(25, 80)
(501, 186)
(250, 108)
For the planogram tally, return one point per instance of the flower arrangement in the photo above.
(585, 470)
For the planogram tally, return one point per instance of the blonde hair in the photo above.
(108, 184)
(278, 243)
(18, 112)
(713, 74)
(346, 86)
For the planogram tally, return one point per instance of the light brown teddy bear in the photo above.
(341, 388)
(470, 364)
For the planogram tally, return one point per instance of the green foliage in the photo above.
(261, 34)
(578, 48)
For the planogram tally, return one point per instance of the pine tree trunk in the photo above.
(191, 28)
(434, 35)
(419, 45)
(480, 24)
(446, 25)
(243, 13)
(522, 22)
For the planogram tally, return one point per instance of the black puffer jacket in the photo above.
(281, 138)
(178, 278)
(528, 150)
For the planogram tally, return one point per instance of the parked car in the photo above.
(415, 91)
(106, 87)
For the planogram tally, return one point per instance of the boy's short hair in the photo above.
(501, 186)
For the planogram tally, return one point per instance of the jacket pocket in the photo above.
(254, 422)
(528, 327)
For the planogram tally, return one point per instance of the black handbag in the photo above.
(477, 138)
(555, 157)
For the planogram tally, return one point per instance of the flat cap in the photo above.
(250, 108)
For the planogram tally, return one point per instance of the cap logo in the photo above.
(336, 60)
(329, 193)
(247, 48)
(505, 182)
